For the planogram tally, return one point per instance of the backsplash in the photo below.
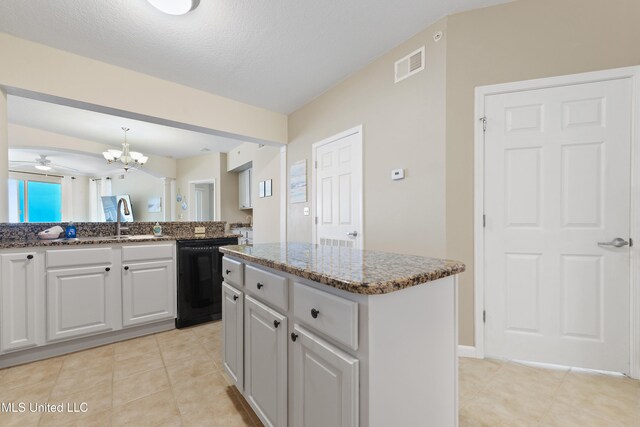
(26, 231)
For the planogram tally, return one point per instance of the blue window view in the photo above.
(34, 201)
(21, 199)
(44, 200)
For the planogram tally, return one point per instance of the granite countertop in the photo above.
(353, 270)
(102, 240)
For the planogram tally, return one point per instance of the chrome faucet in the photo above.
(119, 226)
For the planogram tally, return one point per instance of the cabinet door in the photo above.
(265, 368)
(325, 383)
(232, 333)
(80, 301)
(18, 296)
(148, 292)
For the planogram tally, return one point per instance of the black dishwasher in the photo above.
(200, 280)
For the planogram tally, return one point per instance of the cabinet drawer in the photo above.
(232, 271)
(78, 257)
(147, 252)
(268, 286)
(334, 316)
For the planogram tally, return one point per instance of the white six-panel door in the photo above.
(557, 183)
(338, 190)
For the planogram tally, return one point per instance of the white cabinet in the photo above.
(265, 371)
(325, 383)
(18, 289)
(149, 283)
(244, 189)
(148, 291)
(81, 301)
(232, 333)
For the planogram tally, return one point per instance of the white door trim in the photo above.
(191, 208)
(314, 148)
(283, 193)
(483, 91)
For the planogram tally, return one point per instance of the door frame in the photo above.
(314, 148)
(479, 257)
(191, 209)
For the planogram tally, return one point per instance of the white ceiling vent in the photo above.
(410, 65)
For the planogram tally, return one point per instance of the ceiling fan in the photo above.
(41, 163)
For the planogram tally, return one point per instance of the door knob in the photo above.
(314, 313)
(294, 336)
(227, 272)
(352, 234)
(276, 323)
(618, 242)
(235, 297)
(259, 285)
(126, 267)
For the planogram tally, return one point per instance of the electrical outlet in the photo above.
(199, 230)
(306, 211)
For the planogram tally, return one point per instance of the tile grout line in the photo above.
(53, 386)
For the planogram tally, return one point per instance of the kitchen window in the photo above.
(35, 200)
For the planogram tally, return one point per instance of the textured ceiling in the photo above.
(276, 54)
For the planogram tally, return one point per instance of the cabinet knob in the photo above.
(126, 267)
(227, 271)
(276, 323)
(29, 256)
(314, 313)
(107, 269)
(235, 297)
(294, 336)
(259, 285)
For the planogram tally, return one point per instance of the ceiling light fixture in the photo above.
(175, 7)
(129, 159)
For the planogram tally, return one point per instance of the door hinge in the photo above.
(316, 220)
(484, 316)
(630, 242)
(315, 164)
(484, 220)
(484, 123)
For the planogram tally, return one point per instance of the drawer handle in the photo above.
(314, 313)
(235, 297)
(227, 272)
(126, 267)
(29, 256)
(276, 323)
(294, 336)
(259, 285)
(107, 269)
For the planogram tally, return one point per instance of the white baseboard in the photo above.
(467, 351)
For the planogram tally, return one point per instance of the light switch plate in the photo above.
(306, 211)
(397, 174)
(199, 230)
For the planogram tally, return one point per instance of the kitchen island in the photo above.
(333, 336)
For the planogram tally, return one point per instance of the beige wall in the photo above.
(518, 41)
(266, 210)
(265, 164)
(431, 211)
(140, 186)
(403, 127)
(230, 203)
(45, 70)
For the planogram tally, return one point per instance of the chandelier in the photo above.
(129, 159)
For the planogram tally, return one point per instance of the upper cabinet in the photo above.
(244, 188)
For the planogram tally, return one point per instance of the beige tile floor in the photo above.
(175, 378)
